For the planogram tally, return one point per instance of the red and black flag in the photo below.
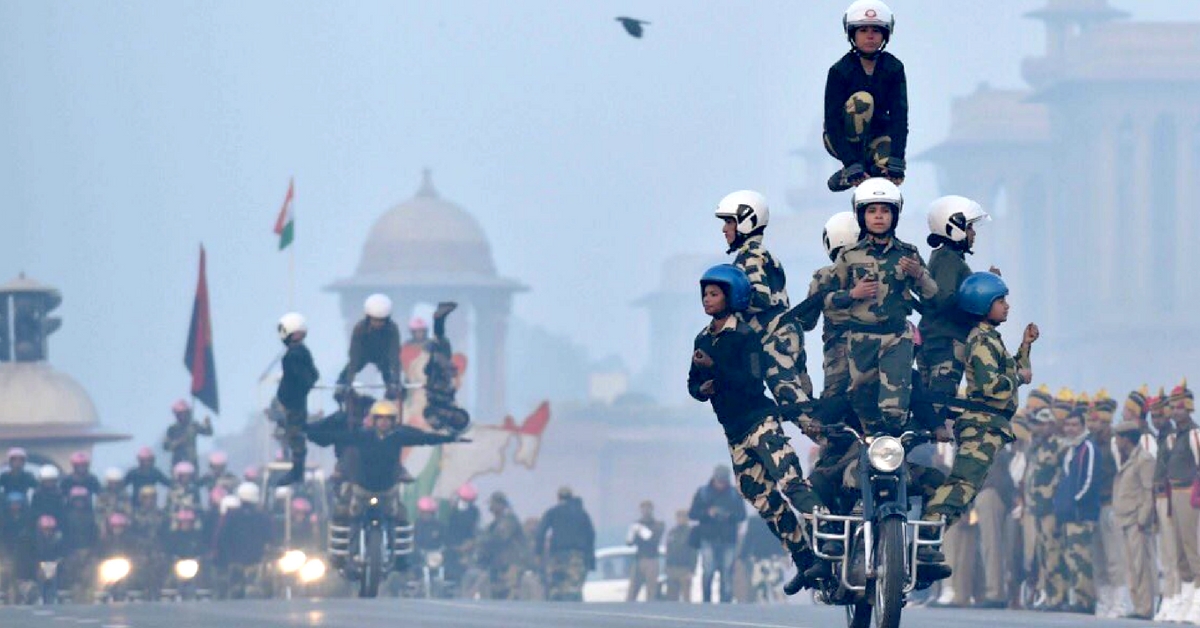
(199, 355)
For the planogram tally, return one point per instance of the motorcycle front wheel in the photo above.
(373, 565)
(890, 573)
(858, 614)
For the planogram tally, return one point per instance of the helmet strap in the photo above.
(739, 239)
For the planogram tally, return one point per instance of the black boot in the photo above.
(804, 560)
(931, 565)
(296, 474)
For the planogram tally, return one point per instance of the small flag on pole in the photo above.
(285, 224)
(198, 357)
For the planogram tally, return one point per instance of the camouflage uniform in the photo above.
(181, 440)
(879, 341)
(441, 412)
(783, 344)
(503, 554)
(944, 328)
(992, 381)
(765, 469)
(1041, 479)
(833, 336)
(565, 572)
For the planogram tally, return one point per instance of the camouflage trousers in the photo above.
(1076, 565)
(977, 449)
(1051, 580)
(565, 572)
(504, 581)
(835, 366)
(786, 365)
(766, 469)
(856, 127)
(940, 363)
(290, 428)
(880, 379)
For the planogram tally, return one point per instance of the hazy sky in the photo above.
(130, 132)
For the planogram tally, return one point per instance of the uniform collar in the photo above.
(730, 324)
(750, 243)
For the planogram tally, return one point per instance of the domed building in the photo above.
(427, 250)
(42, 410)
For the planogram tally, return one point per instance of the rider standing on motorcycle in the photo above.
(47, 498)
(219, 474)
(375, 340)
(145, 474)
(878, 280)
(181, 437)
(993, 377)
(17, 479)
(727, 369)
(291, 400)
(572, 549)
(81, 475)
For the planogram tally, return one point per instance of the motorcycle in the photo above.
(186, 580)
(873, 548)
(113, 580)
(372, 546)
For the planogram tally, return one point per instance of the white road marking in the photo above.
(664, 618)
(43, 613)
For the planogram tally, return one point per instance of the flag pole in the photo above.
(292, 277)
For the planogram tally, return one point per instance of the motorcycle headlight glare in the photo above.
(114, 570)
(292, 561)
(433, 560)
(886, 453)
(312, 570)
(186, 569)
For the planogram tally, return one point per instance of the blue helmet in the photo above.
(979, 291)
(735, 282)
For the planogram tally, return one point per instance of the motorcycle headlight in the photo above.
(292, 561)
(114, 570)
(186, 569)
(886, 453)
(433, 560)
(312, 571)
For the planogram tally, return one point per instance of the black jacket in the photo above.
(940, 317)
(299, 376)
(721, 527)
(380, 347)
(243, 536)
(429, 534)
(139, 477)
(378, 467)
(569, 526)
(89, 481)
(887, 85)
(739, 398)
(462, 525)
(22, 482)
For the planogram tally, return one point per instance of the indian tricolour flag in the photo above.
(285, 224)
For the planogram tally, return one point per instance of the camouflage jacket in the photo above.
(992, 376)
(1042, 475)
(181, 440)
(503, 544)
(768, 283)
(897, 297)
(833, 330)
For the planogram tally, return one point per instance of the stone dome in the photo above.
(426, 235)
(33, 393)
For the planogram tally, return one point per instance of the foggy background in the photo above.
(132, 132)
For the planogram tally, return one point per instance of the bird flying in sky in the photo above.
(632, 26)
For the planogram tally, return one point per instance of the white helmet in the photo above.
(229, 502)
(283, 493)
(869, 13)
(248, 493)
(949, 217)
(113, 474)
(876, 190)
(291, 323)
(841, 231)
(747, 208)
(48, 472)
(378, 306)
